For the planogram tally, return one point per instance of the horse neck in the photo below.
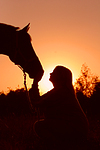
(7, 43)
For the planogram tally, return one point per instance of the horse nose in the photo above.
(36, 75)
(50, 75)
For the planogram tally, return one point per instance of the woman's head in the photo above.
(61, 76)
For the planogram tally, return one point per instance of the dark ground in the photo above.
(16, 133)
(16, 126)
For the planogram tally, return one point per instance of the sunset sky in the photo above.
(64, 32)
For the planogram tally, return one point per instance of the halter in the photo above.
(18, 52)
(24, 73)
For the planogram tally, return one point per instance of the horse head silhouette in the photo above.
(16, 43)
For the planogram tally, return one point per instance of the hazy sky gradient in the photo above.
(65, 32)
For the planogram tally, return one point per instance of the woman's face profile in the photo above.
(61, 76)
(54, 76)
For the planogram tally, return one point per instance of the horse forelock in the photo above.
(29, 37)
(24, 34)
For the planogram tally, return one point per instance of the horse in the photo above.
(16, 43)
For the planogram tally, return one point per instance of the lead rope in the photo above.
(28, 96)
(29, 100)
(27, 92)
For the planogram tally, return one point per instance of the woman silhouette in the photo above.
(64, 117)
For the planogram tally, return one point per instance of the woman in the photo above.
(64, 117)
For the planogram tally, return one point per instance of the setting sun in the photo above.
(45, 85)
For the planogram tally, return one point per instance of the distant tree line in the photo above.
(15, 102)
(87, 88)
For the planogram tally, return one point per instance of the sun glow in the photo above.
(45, 85)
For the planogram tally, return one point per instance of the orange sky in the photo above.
(65, 32)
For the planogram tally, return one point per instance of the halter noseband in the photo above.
(18, 52)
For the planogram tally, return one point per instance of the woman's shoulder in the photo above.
(48, 93)
(58, 93)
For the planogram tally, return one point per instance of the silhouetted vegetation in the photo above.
(87, 89)
(86, 82)
(16, 119)
(15, 102)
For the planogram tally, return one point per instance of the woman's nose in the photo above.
(51, 73)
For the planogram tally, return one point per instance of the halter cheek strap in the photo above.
(24, 74)
(18, 52)
(17, 49)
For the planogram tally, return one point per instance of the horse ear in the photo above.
(26, 28)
